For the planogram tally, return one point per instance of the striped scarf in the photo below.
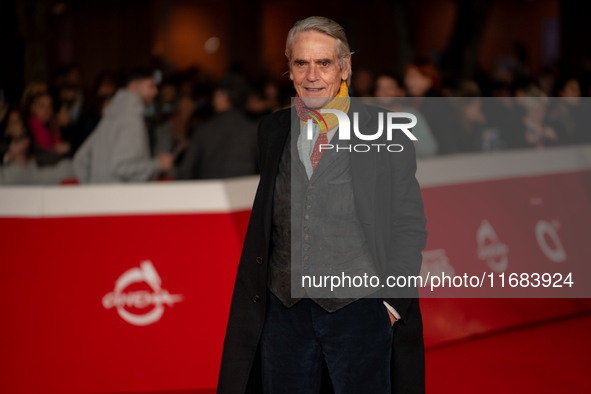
(327, 121)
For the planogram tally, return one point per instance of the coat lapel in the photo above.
(363, 167)
(275, 143)
(328, 156)
(295, 155)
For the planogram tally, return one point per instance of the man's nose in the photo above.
(312, 73)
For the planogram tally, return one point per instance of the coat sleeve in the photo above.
(82, 160)
(163, 141)
(131, 160)
(189, 165)
(407, 223)
(259, 150)
(266, 125)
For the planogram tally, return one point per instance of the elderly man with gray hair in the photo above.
(325, 209)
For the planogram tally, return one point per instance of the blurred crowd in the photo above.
(169, 125)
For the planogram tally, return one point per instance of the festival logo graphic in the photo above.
(436, 263)
(490, 249)
(554, 251)
(140, 299)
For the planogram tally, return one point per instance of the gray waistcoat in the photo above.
(327, 238)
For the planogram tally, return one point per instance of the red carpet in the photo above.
(548, 357)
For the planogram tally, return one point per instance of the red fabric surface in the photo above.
(57, 336)
(552, 357)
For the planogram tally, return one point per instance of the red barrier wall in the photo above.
(99, 302)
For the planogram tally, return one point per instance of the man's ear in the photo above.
(345, 72)
(289, 70)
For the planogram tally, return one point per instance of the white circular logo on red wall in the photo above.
(490, 249)
(554, 250)
(141, 299)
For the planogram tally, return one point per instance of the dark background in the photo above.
(465, 38)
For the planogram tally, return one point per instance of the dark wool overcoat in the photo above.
(389, 206)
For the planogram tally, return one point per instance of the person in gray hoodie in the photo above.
(118, 149)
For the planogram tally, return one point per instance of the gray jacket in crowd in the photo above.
(32, 174)
(118, 150)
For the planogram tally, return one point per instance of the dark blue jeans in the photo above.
(355, 341)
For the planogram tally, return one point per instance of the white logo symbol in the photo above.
(436, 263)
(140, 299)
(556, 254)
(493, 251)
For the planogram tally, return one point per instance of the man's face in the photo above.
(146, 88)
(572, 92)
(387, 90)
(220, 101)
(42, 108)
(314, 68)
(417, 83)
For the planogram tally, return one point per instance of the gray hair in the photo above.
(325, 26)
